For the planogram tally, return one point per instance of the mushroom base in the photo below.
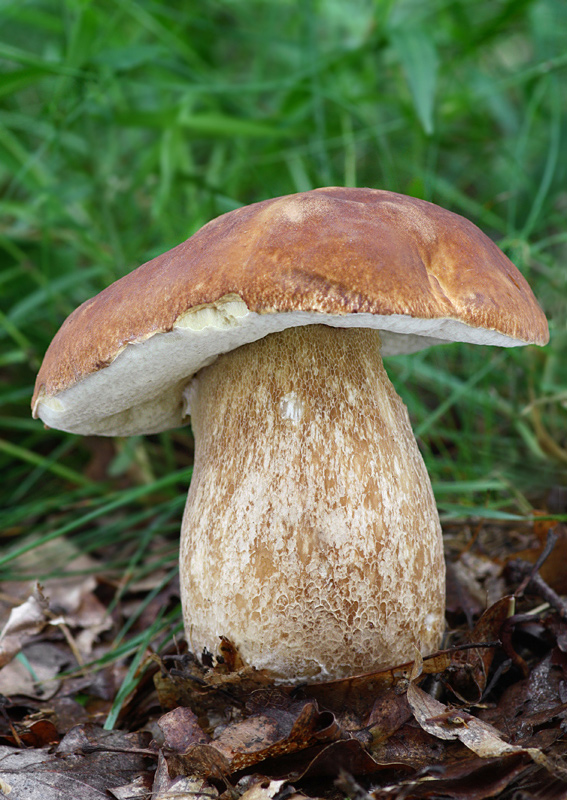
(311, 538)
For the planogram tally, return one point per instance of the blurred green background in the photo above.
(125, 126)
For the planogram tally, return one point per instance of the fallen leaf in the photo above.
(181, 729)
(468, 779)
(87, 764)
(274, 732)
(38, 675)
(66, 713)
(389, 712)
(483, 739)
(140, 787)
(480, 577)
(25, 621)
(360, 691)
(37, 733)
(470, 667)
(530, 703)
(553, 570)
(179, 787)
(270, 733)
(415, 749)
(347, 754)
(267, 790)
(183, 681)
(229, 656)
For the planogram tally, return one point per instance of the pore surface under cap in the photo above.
(341, 257)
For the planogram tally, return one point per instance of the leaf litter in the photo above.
(484, 717)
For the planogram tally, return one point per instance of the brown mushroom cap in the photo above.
(336, 256)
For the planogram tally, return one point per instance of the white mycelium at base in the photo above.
(311, 538)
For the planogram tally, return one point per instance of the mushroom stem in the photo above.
(311, 538)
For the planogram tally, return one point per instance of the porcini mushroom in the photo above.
(310, 538)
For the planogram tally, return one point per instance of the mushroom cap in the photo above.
(343, 257)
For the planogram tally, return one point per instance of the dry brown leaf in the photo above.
(480, 577)
(65, 713)
(531, 703)
(415, 749)
(288, 730)
(202, 761)
(450, 723)
(42, 559)
(554, 569)
(38, 733)
(322, 761)
(65, 603)
(267, 734)
(86, 765)
(389, 712)
(483, 739)
(471, 666)
(188, 683)
(267, 790)
(360, 691)
(138, 789)
(179, 787)
(347, 754)
(181, 729)
(184, 788)
(25, 621)
(467, 779)
(46, 660)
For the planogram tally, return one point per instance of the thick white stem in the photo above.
(311, 538)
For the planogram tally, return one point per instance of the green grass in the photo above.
(125, 126)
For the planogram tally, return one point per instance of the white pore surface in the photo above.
(141, 390)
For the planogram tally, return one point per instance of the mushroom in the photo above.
(311, 538)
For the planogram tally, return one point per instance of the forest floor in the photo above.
(484, 717)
